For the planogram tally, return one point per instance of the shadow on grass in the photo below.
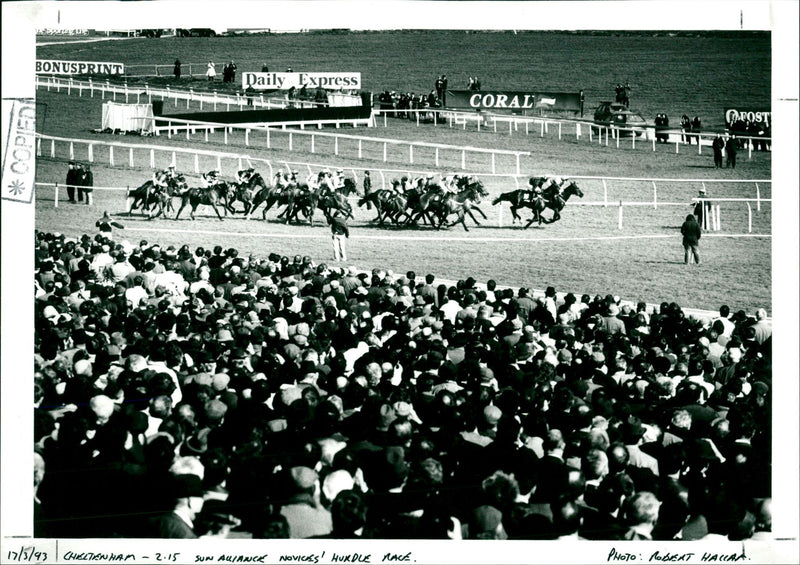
(660, 262)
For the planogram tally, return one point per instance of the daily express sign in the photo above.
(285, 81)
(48, 67)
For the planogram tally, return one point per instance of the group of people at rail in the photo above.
(203, 392)
(80, 177)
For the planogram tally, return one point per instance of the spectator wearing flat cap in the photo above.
(187, 492)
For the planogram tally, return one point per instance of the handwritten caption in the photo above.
(30, 553)
(661, 556)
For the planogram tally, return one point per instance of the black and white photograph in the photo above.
(422, 282)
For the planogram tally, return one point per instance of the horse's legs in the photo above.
(183, 205)
(214, 206)
(481, 212)
(473, 217)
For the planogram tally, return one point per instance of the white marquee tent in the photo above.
(128, 117)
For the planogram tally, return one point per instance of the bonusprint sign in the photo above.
(52, 67)
(285, 81)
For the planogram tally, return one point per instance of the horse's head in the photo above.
(573, 188)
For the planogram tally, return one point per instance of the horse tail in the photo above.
(497, 200)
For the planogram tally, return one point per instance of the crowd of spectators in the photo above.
(405, 101)
(202, 392)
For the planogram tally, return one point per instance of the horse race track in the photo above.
(585, 252)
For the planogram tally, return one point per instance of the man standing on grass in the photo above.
(339, 234)
(690, 230)
(72, 181)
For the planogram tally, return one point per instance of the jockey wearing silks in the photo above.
(450, 183)
(209, 179)
(293, 179)
(244, 175)
(161, 178)
(337, 179)
(281, 181)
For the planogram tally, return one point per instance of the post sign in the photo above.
(52, 67)
(312, 81)
(760, 116)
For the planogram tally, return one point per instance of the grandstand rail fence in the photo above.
(605, 135)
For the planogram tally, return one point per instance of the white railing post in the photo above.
(39, 147)
(247, 137)
(749, 219)
(417, 118)
(719, 223)
(591, 131)
(206, 135)
(633, 140)
(518, 156)
(510, 128)
(188, 132)
(464, 159)
(654, 143)
(493, 167)
(111, 155)
(226, 135)
(384, 151)
(699, 144)
(617, 136)
(750, 150)
(91, 153)
(152, 159)
(312, 143)
(607, 136)
(619, 221)
(174, 163)
(359, 148)
(196, 163)
(655, 196)
(559, 130)
(53, 148)
(219, 162)
(436, 156)
(383, 177)
(71, 150)
(541, 130)
(758, 198)
(605, 194)
(411, 151)
(677, 143)
(290, 141)
(130, 157)
(268, 142)
(56, 195)
(240, 164)
(335, 144)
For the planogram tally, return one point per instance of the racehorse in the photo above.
(333, 200)
(211, 196)
(388, 204)
(520, 198)
(247, 193)
(146, 195)
(461, 204)
(556, 202)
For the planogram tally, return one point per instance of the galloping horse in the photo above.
(556, 201)
(520, 198)
(334, 200)
(210, 196)
(460, 204)
(388, 204)
(248, 194)
(149, 194)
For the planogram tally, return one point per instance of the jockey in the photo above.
(338, 179)
(560, 185)
(312, 181)
(293, 178)
(450, 183)
(244, 176)
(211, 178)
(162, 178)
(280, 181)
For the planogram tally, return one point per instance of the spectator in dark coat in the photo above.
(690, 230)
(731, 147)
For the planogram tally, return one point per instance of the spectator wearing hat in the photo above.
(339, 234)
(691, 233)
(303, 512)
(187, 492)
(85, 183)
(633, 436)
(731, 148)
(611, 323)
(72, 182)
(700, 210)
